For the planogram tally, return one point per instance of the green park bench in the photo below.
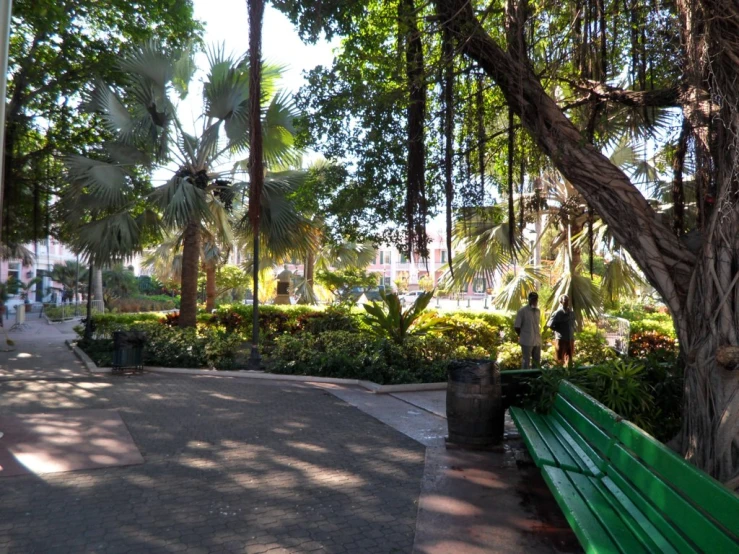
(621, 490)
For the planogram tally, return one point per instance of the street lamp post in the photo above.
(5, 11)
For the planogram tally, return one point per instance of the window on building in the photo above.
(14, 277)
(478, 285)
(388, 281)
(403, 259)
(384, 257)
(443, 256)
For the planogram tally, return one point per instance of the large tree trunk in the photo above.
(210, 287)
(700, 289)
(189, 283)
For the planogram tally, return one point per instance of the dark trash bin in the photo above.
(474, 404)
(128, 351)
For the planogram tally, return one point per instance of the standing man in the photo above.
(562, 322)
(529, 333)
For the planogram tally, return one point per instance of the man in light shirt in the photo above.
(527, 326)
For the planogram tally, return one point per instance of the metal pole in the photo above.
(76, 288)
(88, 322)
(5, 11)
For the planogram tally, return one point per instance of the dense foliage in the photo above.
(57, 48)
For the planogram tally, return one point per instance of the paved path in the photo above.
(233, 465)
(39, 351)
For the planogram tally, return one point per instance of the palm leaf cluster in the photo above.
(118, 214)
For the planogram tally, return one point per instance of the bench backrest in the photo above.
(697, 507)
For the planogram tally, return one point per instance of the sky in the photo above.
(226, 23)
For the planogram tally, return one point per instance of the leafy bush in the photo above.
(646, 393)
(58, 313)
(351, 355)
(390, 320)
(169, 346)
(510, 356)
(463, 331)
(331, 319)
(591, 347)
(653, 344)
(103, 325)
(502, 322)
(273, 320)
(140, 303)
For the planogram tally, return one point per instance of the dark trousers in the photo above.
(563, 351)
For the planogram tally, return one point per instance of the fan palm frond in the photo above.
(114, 238)
(515, 294)
(620, 280)
(15, 251)
(584, 296)
(180, 202)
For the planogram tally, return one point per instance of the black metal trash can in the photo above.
(474, 404)
(128, 351)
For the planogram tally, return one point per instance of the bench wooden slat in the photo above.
(692, 483)
(686, 517)
(590, 532)
(598, 503)
(560, 452)
(653, 522)
(581, 452)
(603, 416)
(537, 447)
(593, 434)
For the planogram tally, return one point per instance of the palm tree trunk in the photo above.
(98, 284)
(189, 282)
(210, 287)
(310, 268)
(256, 159)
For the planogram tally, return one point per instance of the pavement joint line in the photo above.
(417, 406)
(376, 388)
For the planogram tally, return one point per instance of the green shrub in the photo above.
(59, 313)
(654, 344)
(169, 346)
(502, 322)
(331, 319)
(140, 303)
(352, 355)
(510, 356)
(103, 325)
(591, 347)
(646, 393)
(389, 319)
(464, 332)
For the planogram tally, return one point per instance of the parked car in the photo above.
(410, 297)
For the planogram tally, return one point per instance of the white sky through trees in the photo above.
(226, 23)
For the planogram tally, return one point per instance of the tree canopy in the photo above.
(57, 48)
(491, 94)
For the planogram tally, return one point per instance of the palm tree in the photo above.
(148, 134)
(70, 275)
(483, 247)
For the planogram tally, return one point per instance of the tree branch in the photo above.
(663, 259)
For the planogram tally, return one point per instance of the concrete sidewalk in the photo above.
(38, 351)
(469, 503)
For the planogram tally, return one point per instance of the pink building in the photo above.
(46, 253)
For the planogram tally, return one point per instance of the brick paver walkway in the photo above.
(231, 466)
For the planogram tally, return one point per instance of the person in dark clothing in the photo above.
(562, 322)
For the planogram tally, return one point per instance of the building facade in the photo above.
(46, 253)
